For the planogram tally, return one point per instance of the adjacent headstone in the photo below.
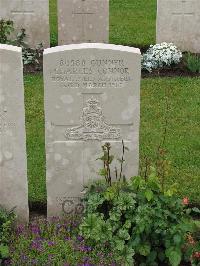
(31, 15)
(83, 21)
(91, 97)
(13, 166)
(178, 21)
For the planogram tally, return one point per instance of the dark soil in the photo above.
(34, 68)
(170, 72)
(37, 209)
(179, 70)
(40, 209)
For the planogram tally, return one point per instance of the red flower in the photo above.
(196, 255)
(185, 201)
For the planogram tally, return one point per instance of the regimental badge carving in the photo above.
(93, 125)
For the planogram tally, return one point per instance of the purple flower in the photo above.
(67, 238)
(75, 224)
(51, 243)
(7, 262)
(85, 249)
(20, 229)
(86, 264)
(36, 245)
(80, 238)
(35, 229)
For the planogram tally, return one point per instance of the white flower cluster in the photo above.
(160, 55)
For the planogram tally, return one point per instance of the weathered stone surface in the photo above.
(31, 15)
(83, 21)
(178, 21)
(91, 97)
(13, 166)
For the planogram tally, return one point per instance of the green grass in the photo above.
(132, 22)
(182, 141)
(35, 137)
(53, 22)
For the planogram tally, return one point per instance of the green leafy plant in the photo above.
(32, 56)
(107, 159)
(6, 223)
(141, 219)
(29, 55)
(6, 28)
(193, 63)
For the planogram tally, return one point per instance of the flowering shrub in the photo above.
(192, 246)
(139, 220)
(160, 55)
(55, 242)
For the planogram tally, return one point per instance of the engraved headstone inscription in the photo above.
(91, 97)
(31, 15)
(83, 21)
(178, 21)
(13, 166)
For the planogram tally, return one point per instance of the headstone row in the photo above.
(78, 20)
(91, 97)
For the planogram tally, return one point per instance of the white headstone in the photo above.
(13, 166)
(31, 15)
(92, 96)
(178, 21)
(83, 21)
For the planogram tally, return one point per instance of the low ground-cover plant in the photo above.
(143, 221)
(193, 63)
(55, 242)
(161, 55)
(6, 223)
(30, 56)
